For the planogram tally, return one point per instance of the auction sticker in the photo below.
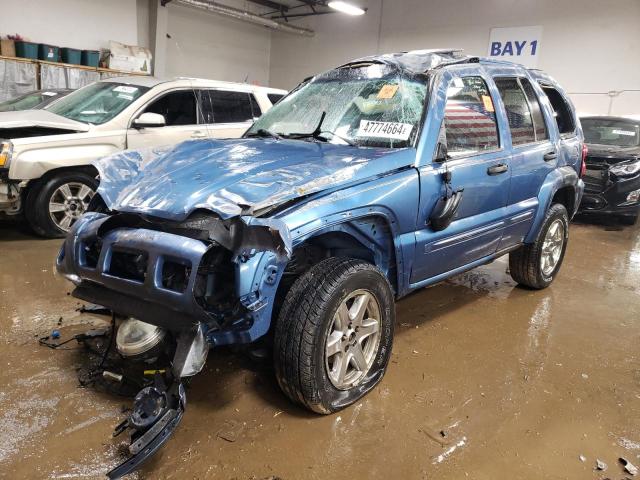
(125, 89)
(394, 130)
(629, 133)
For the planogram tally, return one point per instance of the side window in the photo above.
(469, 118)
(231, 107)
(561, 110)
(517, 108)
(178, 108)
(274, 97)
(536, 112)
(255, 108)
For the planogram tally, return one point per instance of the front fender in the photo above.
(555, 180)
(33, 161)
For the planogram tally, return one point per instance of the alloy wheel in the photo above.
(353, 339)
(68, 202)
(552, 247)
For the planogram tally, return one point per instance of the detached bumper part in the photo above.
(156, 414)
(157, 410)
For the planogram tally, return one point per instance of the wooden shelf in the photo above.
(70, 65)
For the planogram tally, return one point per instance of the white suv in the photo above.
(46, 155)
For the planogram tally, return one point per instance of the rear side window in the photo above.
(220, 106)
(274, 97)
(523, 110)
(561, 110)
(469, 118)
(177, 108)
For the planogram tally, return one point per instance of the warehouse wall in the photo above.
(207, 45)
(589, 46)
(87, 24)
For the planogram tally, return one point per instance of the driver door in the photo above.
(179, 109)
(479, 168)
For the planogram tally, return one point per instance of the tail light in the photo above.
(583, 167)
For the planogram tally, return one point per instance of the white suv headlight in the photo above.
(6, 148)
(626, 169)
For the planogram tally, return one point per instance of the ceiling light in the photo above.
(347, 8)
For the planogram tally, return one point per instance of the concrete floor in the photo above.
(522, 383)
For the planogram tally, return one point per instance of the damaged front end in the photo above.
(202, 282)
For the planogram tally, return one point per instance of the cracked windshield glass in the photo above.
(367, 106)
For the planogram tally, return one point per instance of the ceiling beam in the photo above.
(271, 4)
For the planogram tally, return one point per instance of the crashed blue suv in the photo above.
(376, 178)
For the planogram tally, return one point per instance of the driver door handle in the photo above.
(552, 155)
(497, 169)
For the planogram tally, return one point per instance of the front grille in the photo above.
(175, 276)
(128, 264)
(596, 179)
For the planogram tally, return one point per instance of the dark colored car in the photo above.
(367, 182)
(34, 100)
(612, 181)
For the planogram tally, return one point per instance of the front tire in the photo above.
(535, 265)
(334, 334)
(53, 205)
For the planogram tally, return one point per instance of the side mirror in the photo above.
(149, 120)
(441, 154)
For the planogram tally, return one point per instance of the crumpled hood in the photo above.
(39, 118)
(611, 153)
(234, 177)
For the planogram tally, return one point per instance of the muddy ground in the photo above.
(487, 381)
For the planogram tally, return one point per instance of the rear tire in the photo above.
(54, 204)
(319, 330)
(535, 265)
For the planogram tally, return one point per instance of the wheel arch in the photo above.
(370, 237)
(560, 186)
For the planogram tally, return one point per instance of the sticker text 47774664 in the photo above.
(393, 130)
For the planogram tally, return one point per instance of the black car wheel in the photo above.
(334, 334)
(535, 265)
(54, 204)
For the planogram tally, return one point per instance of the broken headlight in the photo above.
(136, 338)
(6, 149)
(626, 169)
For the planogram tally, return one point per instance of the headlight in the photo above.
(626, 169)
(6, 148)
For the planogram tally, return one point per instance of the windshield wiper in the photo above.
(344, 139)
(317, 133)
(263, 132)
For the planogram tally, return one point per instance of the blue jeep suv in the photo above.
(376, 178)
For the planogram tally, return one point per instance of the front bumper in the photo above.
(147, 297)
(10, 198)
(610, 197)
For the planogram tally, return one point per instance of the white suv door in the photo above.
(227, 113)
(180, 111)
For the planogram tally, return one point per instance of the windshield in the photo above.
(370, 105)
(603, 131)
(97, 103)
(23, 102)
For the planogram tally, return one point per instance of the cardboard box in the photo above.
(7, 48)
(128, 58)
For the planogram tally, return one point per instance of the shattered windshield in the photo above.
(371, 105)
(24, 102)
(622, 133)
(97, 103)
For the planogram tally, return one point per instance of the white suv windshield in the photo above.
(97, 103)
(370, 105)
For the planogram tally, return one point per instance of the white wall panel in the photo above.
(207, 45)
(589, 46)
